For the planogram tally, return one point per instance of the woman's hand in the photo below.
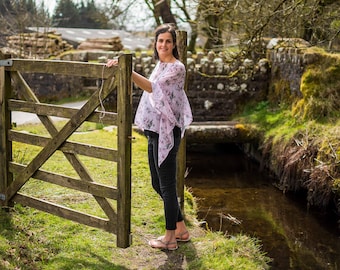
(112, 62)
(138, 79)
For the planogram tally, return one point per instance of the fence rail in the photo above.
(13, 176)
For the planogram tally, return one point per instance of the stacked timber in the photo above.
(102, 44)
(37, 45)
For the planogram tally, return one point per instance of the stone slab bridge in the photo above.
(214, 132)
(219, 132)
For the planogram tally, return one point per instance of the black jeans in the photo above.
(164, 177)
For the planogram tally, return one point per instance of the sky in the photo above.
(48, 3)
(51, 4)
(140, 18)
(135, 23)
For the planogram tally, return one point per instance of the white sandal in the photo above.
(180, 238)
(160, 244)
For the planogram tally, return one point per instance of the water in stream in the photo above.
(235, 197)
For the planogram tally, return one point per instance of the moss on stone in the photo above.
(247, 132)
(336, 186)
(280, 92)
(320, 87)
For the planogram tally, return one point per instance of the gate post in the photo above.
(5, 124)
(124, 123)
(181, 157)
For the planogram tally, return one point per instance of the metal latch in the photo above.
(6, 63)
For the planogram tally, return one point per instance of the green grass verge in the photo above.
(31, 239)
(282, 128)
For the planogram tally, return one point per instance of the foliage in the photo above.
(226, 23)
(320, 86)
(85, 15)
(286, 19)
(229, 253)
(16, 15)
(273, 121)
(221, 23)
(303, 152)
(250, 25)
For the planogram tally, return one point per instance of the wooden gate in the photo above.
(14, 176)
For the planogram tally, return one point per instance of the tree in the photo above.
(91, 16)
(151, 4)
(162, 9)
(17, 15)
(185, 7)
(66, 14)
(323, 25)
(162, 12)
(84, 15)
(210, 13)
(317, 21)
(116, 14)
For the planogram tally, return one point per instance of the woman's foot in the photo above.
(183, 236)
(163, 245)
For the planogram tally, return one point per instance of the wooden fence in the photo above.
(14, 176)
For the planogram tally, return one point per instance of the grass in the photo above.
(31, 239)
(300, 135)
(272, 121)
(287, 132)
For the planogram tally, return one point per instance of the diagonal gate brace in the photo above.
(59, 139)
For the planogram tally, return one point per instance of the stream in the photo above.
(234, 196)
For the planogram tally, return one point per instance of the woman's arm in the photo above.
(142, 82)
(138, 79)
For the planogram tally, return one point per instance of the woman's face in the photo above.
(164, 46)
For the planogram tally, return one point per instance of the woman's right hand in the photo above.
(112, 62)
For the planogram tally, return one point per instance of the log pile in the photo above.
(37, 45)
(102, 44)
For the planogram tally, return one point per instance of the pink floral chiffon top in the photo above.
(166, 107)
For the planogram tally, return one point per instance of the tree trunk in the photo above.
(163, 10)
(213, 32)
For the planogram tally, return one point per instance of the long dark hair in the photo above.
(166, 28)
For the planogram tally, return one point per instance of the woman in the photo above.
(164, 113)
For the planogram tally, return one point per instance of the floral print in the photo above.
(166, 107)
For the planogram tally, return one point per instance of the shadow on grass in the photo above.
(23, 248)
(98, 263)
(180, 258)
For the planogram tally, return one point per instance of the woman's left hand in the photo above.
(112, 62)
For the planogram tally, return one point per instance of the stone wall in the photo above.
(288, 59)
(216, 89)
(219, 98)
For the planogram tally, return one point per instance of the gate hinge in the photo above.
(6, 63)
(2, 196)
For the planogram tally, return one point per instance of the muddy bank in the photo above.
(296, 166)
(233, 197)
(300, 128)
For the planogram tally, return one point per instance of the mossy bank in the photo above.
(299, 131)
